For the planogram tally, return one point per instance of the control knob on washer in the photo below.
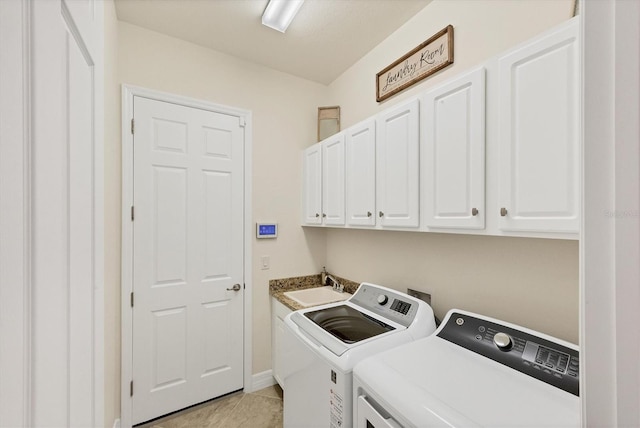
(382, 299)
(502, 341)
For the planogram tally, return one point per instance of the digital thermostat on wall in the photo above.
(266, 230)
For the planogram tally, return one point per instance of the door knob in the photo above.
(503, 212)
(236, 287)
(368, 213)
(380, 214)
(474, 212)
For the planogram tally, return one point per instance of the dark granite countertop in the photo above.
(277, 287)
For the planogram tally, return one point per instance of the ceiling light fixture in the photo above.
(279, 13)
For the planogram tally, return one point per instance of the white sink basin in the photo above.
(316, 296)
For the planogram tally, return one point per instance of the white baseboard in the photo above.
(260, 381)
(116, 423)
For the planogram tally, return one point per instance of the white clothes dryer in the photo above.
(475, 371)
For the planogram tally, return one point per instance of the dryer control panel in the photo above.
(524, 351)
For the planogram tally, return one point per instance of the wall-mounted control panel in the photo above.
(266, 230)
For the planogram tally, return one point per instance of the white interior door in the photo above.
(187, 256)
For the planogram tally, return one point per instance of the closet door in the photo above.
(51, 221)
(66, 69)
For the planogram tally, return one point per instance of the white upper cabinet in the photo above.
(333, 181)
(360, 143)
(453, 153)
(312, 185)
(539, 137)
(397, 166)
(493, 151)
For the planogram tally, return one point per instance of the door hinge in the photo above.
(133, 126)
(243, 121)
(132, 213)
(131, 389)
(132, 299)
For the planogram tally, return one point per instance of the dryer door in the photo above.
(369, 417)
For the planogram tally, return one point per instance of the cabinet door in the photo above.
(539, 135)
(453, 153)
(360, 143)
(333, 185)
(397, 166)
(278, 314)
(278, 334)
(312, 185)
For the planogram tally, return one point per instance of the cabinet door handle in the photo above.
(323, 215)
(317, 215)
(380, 214)
(368, 213)
(474, 212)
(503, 212)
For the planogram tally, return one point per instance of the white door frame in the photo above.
(128, 92)
(24, 350)
(610, 239)
(16, 205)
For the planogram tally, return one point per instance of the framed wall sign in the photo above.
(429, 57)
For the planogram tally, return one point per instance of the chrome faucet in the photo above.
(336, 285)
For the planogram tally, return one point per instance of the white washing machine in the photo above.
(322, 344)
(474, 371)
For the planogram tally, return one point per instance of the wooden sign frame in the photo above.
(426, 59)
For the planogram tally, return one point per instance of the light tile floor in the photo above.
(260, 409)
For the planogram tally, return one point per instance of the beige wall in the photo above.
(533, 282)
(284, 110)
(482, 29)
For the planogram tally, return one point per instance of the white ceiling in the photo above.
(324, 40)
